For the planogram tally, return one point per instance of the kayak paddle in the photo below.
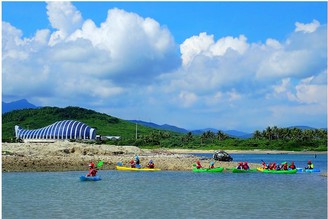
(100, 163)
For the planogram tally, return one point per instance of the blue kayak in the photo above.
(90, 178)
(314, 170)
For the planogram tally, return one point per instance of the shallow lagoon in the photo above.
(169, 194)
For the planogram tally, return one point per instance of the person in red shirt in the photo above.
(91, 164)
(292, 166)
(245, 166)
(211, 165)
(133, 164)
(240, 166)
(151, 164)
(92, 171)
(284, 166)
(198, 165)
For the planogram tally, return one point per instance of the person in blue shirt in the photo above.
(137, 160)
(211, 165)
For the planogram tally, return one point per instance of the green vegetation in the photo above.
(273, 138)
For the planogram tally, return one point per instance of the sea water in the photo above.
(169, 194)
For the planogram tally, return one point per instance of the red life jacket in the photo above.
(92, 172)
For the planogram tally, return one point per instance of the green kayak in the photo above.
(277, 171)
(208, 170)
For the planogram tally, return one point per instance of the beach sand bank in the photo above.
(72, 156)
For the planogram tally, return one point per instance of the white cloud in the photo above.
(195, 45)
(149, 51)
(204, 44)
(285, 83)
(83, 60)
(307, 28)
(222, 45)
(64, 17)
(309, 92)
(187, 98)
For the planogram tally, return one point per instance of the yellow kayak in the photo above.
(136, 169)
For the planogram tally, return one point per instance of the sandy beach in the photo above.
(72, 156)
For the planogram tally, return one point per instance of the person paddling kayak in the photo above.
(309, 165)
(132, 163)
(92, 171)
(198, 165)
(151, 164)
(245, 166)
(137, 160)
(292, 166)
(240, 166)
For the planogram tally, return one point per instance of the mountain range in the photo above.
(17, 105)
(232, 133)
(24, 104)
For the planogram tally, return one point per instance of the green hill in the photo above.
(41, 117)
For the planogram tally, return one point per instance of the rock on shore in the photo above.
(72, 156)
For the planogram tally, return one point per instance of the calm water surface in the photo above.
(168, 194)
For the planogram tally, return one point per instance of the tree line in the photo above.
(271, 138)
(275, 133)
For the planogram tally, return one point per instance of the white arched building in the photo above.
(61, 130)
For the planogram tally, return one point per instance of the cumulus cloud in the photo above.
(83, 60)
(204, 44)
(307, 28)
(310, 90)
(149, 51)
(64, 17)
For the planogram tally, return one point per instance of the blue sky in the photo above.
(225, 65)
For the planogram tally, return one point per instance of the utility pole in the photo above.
(136, 131)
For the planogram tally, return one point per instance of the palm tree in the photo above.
(268, 133)
(203, 137)
(221, 135)
(275, 132)
(257, 135)
(210, 135)
(296, 133)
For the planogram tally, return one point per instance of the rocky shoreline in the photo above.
(72, 156)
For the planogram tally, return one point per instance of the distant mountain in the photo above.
(162, 127)
(302, 127)
(17, 105)
(231, 133)
(238, 134)
(201, 131)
